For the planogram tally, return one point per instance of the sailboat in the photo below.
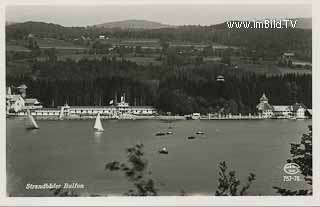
(31, 123)
(98, 125)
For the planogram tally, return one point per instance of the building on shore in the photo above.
(264, 108)
(115, 110)
(18, 102)
(296, 111)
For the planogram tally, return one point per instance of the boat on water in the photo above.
(31, 122)
(164, 133)
(163, 151)
(200, 132)
(191, 137)
(160, 133)
(98, 125)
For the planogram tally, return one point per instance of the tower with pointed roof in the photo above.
(264, 98)
(264, 108)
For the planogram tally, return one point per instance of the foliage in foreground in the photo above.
(229, 184)
(136, 171)
(301, 155)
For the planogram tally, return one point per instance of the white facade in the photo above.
(32, 103)
(18, 102)
(300, 114)
(15, 103)
(112, 110)
(268, 113)
(266, 110)
(282, 111)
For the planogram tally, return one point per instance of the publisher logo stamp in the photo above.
(291, 168)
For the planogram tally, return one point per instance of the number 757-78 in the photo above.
(289, 178)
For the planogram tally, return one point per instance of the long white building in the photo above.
(121, 110)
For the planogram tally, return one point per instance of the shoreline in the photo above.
(156, 117)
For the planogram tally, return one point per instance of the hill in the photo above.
(133, 24)
(42, 29)
(304, 23)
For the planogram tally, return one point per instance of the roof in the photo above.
(309, 111)
(93, 107)
(282, 108)
(296, 106)
(288, 54)
(48, 109)
(108, 107)
(264, 106)
(15, 97)
(23, 86)
(31, 101)
(264, 97)
(220, 78)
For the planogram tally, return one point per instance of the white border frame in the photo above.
(168, 200)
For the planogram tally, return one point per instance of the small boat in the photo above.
(200, 132)
(31, 122)
(160, 133)
(163, 151)
(98, 125)
(191, 137)
(169, 133)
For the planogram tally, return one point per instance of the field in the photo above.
(58, 44)
(16, 48)
(70, 50)
(17, 67)
(268, 67)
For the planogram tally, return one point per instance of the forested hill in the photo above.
(42, 29)
(265, 42)
(179, 79)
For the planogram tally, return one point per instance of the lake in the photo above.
(70, 151)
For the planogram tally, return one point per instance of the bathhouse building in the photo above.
(296, 111)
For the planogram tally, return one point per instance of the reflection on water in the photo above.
(31, 131)
(97, 137)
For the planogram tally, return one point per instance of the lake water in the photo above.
(69, 151)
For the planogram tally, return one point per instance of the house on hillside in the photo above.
(286, 58)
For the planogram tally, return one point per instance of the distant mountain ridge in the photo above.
(133, 24)
(304, 23)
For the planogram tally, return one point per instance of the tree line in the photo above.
(176, 89)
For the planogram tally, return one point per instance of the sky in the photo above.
(76, 15)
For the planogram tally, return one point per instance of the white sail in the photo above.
(98, 124)
(32, 124)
